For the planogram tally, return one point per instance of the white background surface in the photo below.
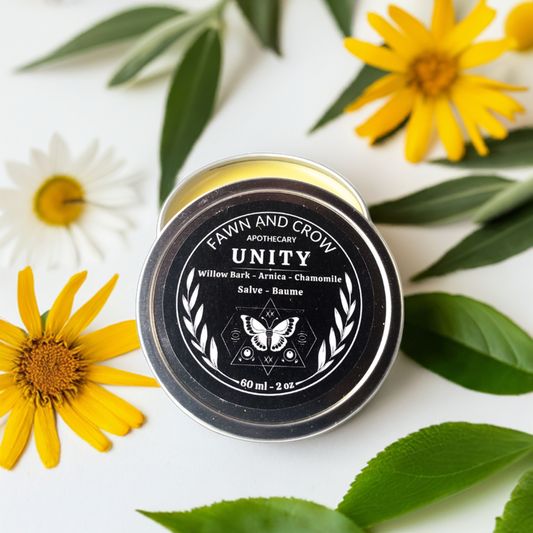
(266, 104)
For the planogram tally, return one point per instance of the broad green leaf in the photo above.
(259, 515)
(518, 514)
(507, 200)
(468, 342)
(264, 17)
(442, 203)
(342, 11)
(516, 150)
(429, 465)
(366, 77)
(494, 242)
(44, 318)
(190, 104)
(119, 27)
(156, 41)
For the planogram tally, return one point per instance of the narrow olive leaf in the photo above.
(259, 515)
(264, 17)
(366, 77)
(119, 27)
(429, 465)
(342, 11)
(44, 318)
(498, 240)
(155, 42)
(190, 104)
(518, 514)
(507, 200)
(439, 204)
(468, 342)
(516, 150)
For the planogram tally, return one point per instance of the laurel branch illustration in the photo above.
(343, 326)
(193, 322)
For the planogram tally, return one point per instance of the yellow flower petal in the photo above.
(29, 312)
(481, 53)
(498, 102)
(11, 335)
(62, 307)
(17, 432)
(132, 416)
(46, 438)
(114, 376)
(99, 415)
(380, 88)
(412, 27)
(389, 116)
(109, 342)
(8, 399)
(519, 26)
(82, 427)
(8, 356)
(492, 84)
(419, 128)
(443, 19)
(402, 45)
(468, 29)
(6, 380)
(87, 312)
(449, 130)
(377, 56)
(471, 128)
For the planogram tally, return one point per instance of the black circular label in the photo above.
(270, 304)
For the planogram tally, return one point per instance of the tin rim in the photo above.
(257, 157)
(181, 392)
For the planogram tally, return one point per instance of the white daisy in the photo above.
(64, 209)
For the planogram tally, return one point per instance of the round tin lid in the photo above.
(270, 309)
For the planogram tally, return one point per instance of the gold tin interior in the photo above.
(245, 167)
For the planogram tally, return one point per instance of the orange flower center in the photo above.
(59, 201)
(49, 368)
(433, 73)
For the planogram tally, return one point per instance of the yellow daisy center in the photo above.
(59, 201)
(48, 368)
(433, 73)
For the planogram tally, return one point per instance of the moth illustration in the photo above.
(264, 338)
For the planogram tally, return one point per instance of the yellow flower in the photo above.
(519, 26)
(426, 78)
(52, 368)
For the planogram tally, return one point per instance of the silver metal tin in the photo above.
(284, 349)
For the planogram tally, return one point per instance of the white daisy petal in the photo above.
(60, 159)
(22, 175)
(35, 229)
(86, 159)
(42, 163)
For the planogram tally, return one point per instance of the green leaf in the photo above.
(190, 104)
(366, 77)
(495, 242)
(264, 18)
(442, 203)
(518, 514)
(468, 342)
(429, 465)
(119, 27)
(259, 515)
(342, 11)
(507, 200)
(44, 318)
(156, 41)
(516, 150)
